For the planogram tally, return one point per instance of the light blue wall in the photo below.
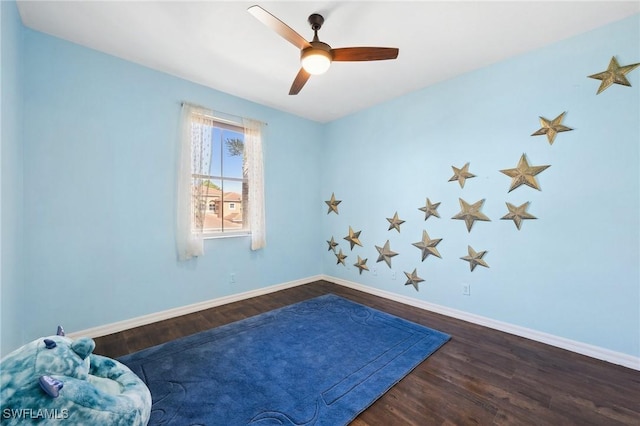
(99, 176)
(11, 229)
(574, 271)
(91, 240)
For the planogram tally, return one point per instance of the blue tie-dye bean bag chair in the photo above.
(56, 380)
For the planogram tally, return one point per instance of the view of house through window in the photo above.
(219, 177)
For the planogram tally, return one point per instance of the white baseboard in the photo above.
(116, 327)
(549, 339)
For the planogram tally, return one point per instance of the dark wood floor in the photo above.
(480, 377)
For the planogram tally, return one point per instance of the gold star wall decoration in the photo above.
(518, 214)
(470, 213)
(552, 127)
(341, 257)
(524, 174)
(461, 175)
(428, 246)
(475, 258)
(332, 244)
(353, 238)
(430, 209)
(395, 222)
(413, 279)
(333, 204)
(615, 74)
(385, 254)
(361, 264)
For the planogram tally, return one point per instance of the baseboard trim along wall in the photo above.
(116, 327)
(549, 339)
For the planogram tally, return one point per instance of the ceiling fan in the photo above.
(316, 56)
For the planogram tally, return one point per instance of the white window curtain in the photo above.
(189, 202)
(254, 164)
(195, 155)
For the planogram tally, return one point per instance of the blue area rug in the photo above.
(317, 362)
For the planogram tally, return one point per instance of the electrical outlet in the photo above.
(466, 289)
(393, 275)
(232, 277)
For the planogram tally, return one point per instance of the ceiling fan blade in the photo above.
(364, 53)
(299, 81)
(278, 26)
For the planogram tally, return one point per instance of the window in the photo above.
(220, 185)
(219, 175)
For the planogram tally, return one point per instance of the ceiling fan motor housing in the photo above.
(315, 21)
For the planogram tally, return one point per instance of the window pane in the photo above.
(216, 151)
(220, 183)
(233, 153)
(212, 199)
(232, 209)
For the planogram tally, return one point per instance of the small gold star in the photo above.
(615, 74)
(332, 244)
(395, 222)
(461, 175)
(353, 238)
(470, 213)
(524, 174)
(430, 209)
(428, 246)
(361, 264)
(475, 258)
(518, 214)
(341, 257)
(333, 204)
(385, 254)
(413, 279)
(552, 128)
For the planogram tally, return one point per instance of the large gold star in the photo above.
(361, 264)
(552, 128)
(341, 257)
(524, 174)
(353, 238)
(430, 209)
(395, 222)
(518, 214)
(475, 258)
(332, 244)
(614, 74)
(413, 279)
(385, 254)
(470, 213)
(333, 204)
(461, 175)
(428, 246)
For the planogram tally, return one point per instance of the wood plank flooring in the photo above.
(480, 377)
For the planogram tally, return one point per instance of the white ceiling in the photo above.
(220, 45)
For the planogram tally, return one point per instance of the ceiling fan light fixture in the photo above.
(315, 61)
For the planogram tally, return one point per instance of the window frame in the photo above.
(223, 124)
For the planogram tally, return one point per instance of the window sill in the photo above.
(225, 235)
